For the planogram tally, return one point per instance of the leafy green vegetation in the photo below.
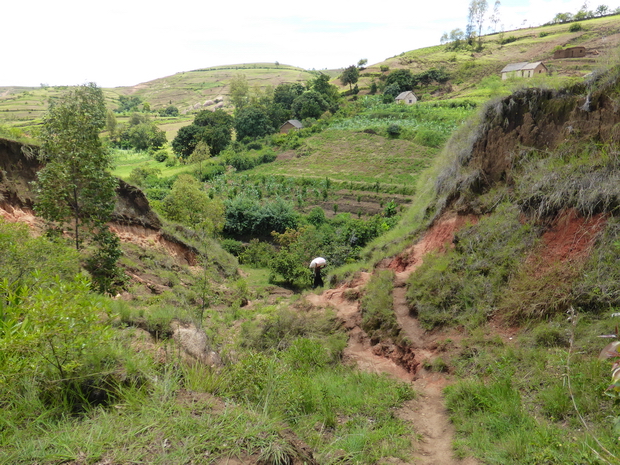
(516, 404)
(463, 285)
(378, 318)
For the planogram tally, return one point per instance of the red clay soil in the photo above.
(570, 238)
(20, 215)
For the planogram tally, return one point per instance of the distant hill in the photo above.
(599, 36)
(190, 90)
(194, 90)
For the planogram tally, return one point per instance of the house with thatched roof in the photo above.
(290, 125)
(406, 97)
(523, 69)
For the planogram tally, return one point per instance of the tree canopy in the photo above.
(350, 76)
(75, 184)
(212, 127)
(252, 122)
(75, 188)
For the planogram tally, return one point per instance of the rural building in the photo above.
(572, 52)
(407, 98)
(290, 124)
(523, 69)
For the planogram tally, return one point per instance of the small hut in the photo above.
(289, 125)
(523, 69)
(407, 98)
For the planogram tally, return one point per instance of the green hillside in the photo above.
(471, 283)
(23, 107)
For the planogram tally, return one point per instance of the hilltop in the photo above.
(199, 89)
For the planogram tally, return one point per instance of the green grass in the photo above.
(126, 161)
(377, 307)
(349, 156)
(513, 404)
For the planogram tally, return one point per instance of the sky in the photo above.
(127, 42)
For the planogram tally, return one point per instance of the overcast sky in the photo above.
(126, 42)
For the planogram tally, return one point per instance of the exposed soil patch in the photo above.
(150, 238)
(20, 215)
(571, 237)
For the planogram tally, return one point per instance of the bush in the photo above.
(160, 155)
(232, 246)
(550, 336)
(575, 27)
(257, 254)
(394, 130)
(210, 171)
(507, 40)
(429, 138)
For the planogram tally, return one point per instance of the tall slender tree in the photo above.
(74, 186)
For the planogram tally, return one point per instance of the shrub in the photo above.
(550, 336)
(543, 34)
(507, 40)
(429, 138)
(575, 27)
(210, 171)
(160, 155)
(232, 246)
(257, 254)
(394, 130)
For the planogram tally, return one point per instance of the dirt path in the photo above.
(426, 413)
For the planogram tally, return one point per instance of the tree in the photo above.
(350, 76)
(186, 140)
(562, 18)
(477, 11)
(200, 154)
(495, 17)
(602, 10)
(75, 186)
(252, 122)
(189, 204)
(310, 104)
(329, 92)
(402, 78)
(239, 90)
(217, 129)
(213, 127)
(127, 104)
(284, 94)
(142, 134)
(362, 63)
(111, 124)
(170, 110)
